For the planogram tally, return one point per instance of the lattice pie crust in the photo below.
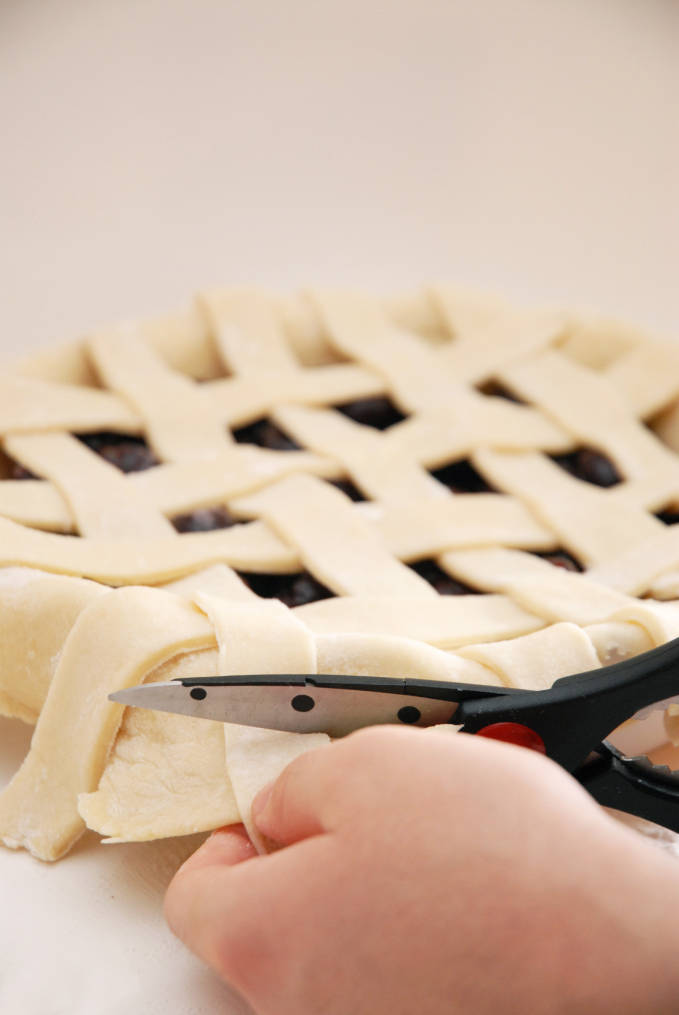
(430, 525)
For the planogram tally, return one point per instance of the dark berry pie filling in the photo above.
(560, 558)
(204, 520)
(442, 582)
(17, 471)
(497, 390)
(668, 517)
(292, 589)
(462, 477)
(129, 454)
(380, 413)
(590, 466)
(348, 488)
(266, 434)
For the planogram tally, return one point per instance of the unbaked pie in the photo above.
(431, 486)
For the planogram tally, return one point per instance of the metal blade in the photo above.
(296, 708)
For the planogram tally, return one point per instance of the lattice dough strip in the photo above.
(462, 313)
(37, 611)
(379, 469)
(183, 486)
(501, 424)
(635, 569)
(486, 341)
(132, 562)
(666, 586)
(592, 523)
(535, 661)
(241, 400)
(415, 312)
(659, 620)
(652, 492)
(216, 580)
(415, 374)
(172, 489)
(102, 502)
(415, 530)
(399, 657)
(333, 541)
(597, 342)
(588, 406)
(73, 737)
(29, 404)
(648, 376)
(547, 591)
(446, 622)
(260, 638)
(617, 640)
(36, 503)
(436, 438)
(248, 333)
(155, 391)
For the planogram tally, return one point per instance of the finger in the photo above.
(323, 788)
(243, 919)
(225, 847)
(290, 808)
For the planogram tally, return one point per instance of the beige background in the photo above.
(151, 146)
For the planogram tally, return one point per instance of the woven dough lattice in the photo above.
(437, 486)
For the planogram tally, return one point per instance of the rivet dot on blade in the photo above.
(409, 714)
(302, 703)
(198, 693)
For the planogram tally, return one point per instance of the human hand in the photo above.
(434, 873)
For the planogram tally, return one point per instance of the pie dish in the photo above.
(436, 485)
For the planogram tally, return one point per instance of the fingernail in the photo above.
(261, 800)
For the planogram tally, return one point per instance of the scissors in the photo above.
(571, 722)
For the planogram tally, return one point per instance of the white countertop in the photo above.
(153, 146)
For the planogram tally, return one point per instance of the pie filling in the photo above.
(590, 466)
(561, 558)
(462, 477)
(292, 589)
(380, 413)
(265, 434)
(440, 580)
(497, 390)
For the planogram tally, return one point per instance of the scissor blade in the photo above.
(299, 707)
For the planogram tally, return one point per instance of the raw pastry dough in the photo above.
(435, 365)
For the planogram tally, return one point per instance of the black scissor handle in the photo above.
(578, 712)
(619, 782)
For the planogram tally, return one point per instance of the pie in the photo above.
(436, 485)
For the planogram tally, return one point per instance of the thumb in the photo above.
(226, 847)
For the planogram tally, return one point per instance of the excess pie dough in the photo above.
(435, 486)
